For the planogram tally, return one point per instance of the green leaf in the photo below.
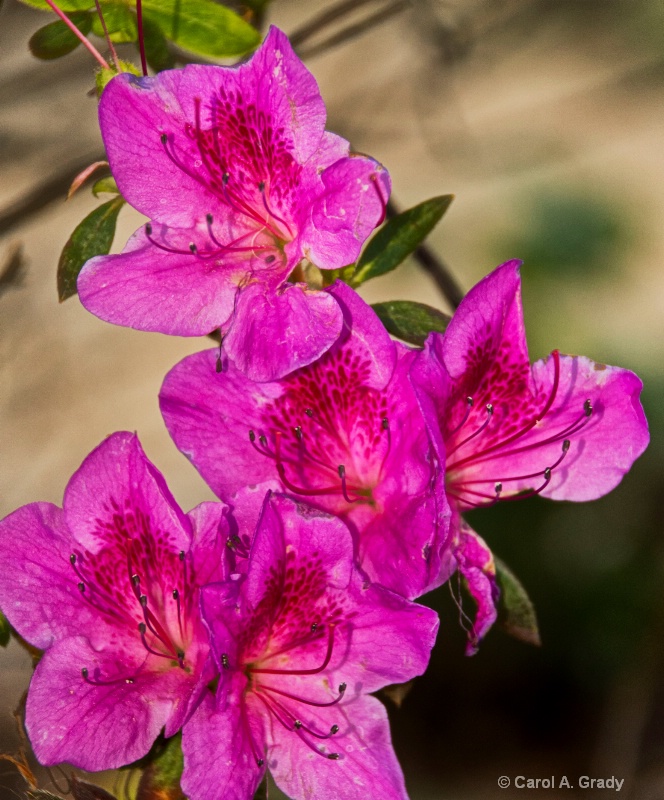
(516, 613)
(5, 630)
(161, 779)
(63, 5)
(158, 56)
(202, 27)
(105, 185)
(56, 39)
(412, 322)
(92, 237)
(398, 238)
(120, 21)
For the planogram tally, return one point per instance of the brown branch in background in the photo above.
(42, 195)
(337, 12)
(434, 266)
(12, 268)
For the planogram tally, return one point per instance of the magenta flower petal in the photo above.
(110, 588)
(344, 434)
(147, 288)
(241, 183)
(272, 332)
(475, 563)
(368, 766)
(101, 726)
(219, 758)
(299, 643)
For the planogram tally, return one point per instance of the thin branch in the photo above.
(352, 31)
(321, 21)
(434, 266)
(42, 195)
(12, 268)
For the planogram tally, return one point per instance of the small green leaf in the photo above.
(104, 75)
(161, 778)
(92, 237)
(105, 185)
(56, 39)
(202, 27)
(516, 613)
(412, 322)
(120, 22)
(399, 237)
(158, 56)
(5, 630)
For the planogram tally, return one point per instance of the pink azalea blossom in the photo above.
(345, 434)
(300, 644)
(241, 182)
(108, 587)
(567, 428)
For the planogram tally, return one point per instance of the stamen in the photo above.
(176, 597)
(142, 628)
(261, 189)
(469, 407)
(342, 691)
(344, 490)
(96, 682)
(489, 414)
(224, 661)
(312, 671)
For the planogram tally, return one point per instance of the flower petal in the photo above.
(96, 727)
(276, 332)
(367, 766)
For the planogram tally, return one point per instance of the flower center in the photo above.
(125, 584)
(479, 454)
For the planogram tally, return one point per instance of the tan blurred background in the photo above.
(545, 119)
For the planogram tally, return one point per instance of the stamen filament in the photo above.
(312, 671)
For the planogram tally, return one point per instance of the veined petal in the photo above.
(117, 492)
(96, 727)
(367, 766)
(220, 749)
(274, 333)
(150, 289)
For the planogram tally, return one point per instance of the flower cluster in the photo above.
(343, 460)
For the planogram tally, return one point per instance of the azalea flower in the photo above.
(241, 182)
(566, 428)
(345, 434)
(299, 645)
(108, 587)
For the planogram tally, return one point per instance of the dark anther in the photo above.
(225, 178)
(469, 401)
(498, 488)
(341, 470)
(298, 433)
(342, 688)
(180, 655)
(297, 724)
(209, 218)
(489, 408)
(129, 680)
(181, 555)
(385, 423)
(333, 756)
(334, 729)
(219, 367)
(142, 627)
(148, 229)
(309, 412)
(224, 661)
(84, 673)
(259, 762)
(72, 559)
(588, 408)
(263, 440)
(566, 445)
(143, 600)
(193, 247)
(270, 259)
(163, 138)
(252, 436)
(81, 587)
(547, 474)
(261, 186)
(135, 579)
(176, 594)
(314, 627)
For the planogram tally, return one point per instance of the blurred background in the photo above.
(546, 119)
